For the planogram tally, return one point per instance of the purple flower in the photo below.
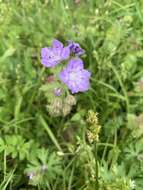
(75, 76)
(51, 56)
(75, 48)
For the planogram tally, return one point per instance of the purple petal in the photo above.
(86, 73)
(44, 52)
(73, 87)
(80, 52)
(75, 64)
(56, 44)
(45, 62)
(48, 63)
(64, 76)
(84, 86)
(65, 53)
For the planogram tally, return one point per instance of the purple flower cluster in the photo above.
(73, 75)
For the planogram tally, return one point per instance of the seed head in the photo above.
(70, 100)
(92, 117)
(66, 109)
(55, 108)
(94, 128)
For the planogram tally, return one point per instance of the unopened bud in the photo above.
(57, 91)
(51, 79)
(70, 100)
(66, 109)
(55, 109)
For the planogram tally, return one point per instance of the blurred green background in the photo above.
(38, 151)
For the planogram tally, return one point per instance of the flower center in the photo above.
(73, 76)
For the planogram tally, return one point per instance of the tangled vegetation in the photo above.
(97, 141)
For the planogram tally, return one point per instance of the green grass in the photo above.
(41, 152)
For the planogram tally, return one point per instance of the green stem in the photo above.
(4, 165)
(105, 149)
(122, 86)
(96, 167)
(17, 110)
(51, 135)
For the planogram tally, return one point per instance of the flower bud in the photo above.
(70, 100)
(66, 109)
(51, 79)
(57, 91)
(55, 108)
